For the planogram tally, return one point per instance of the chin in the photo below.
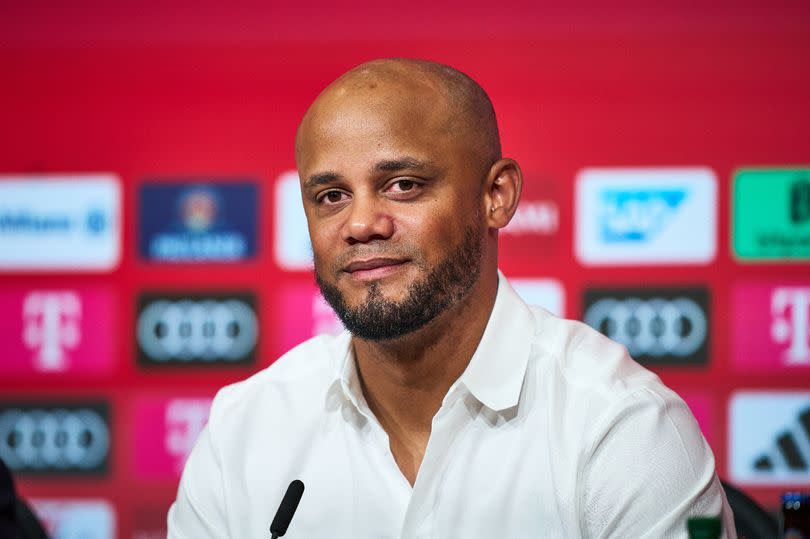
(391, 288)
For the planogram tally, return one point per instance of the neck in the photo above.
(405, 380)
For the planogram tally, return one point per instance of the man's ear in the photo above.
(502, 192)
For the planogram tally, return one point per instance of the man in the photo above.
(449, 408)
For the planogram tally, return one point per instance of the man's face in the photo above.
(392, 198)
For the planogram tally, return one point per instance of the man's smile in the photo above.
(373, 268)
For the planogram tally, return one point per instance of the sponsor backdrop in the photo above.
(153, 247)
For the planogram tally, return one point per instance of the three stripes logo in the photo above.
(786, 448)
(770, 438)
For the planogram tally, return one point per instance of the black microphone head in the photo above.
(286, 508)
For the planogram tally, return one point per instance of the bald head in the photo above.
(435, 96)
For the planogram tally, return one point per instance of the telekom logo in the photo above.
(51, 326)
(790, 307)
(184, 419)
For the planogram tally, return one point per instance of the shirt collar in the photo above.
(495, 373)
(496, 370)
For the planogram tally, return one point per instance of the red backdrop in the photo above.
(207, 90)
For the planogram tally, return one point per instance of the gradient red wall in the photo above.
(207, 90)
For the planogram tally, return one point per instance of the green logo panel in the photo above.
(771, 214)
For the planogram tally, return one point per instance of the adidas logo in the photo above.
(769, 438)
(790, 450)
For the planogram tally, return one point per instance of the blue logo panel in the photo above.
(198, 222)
(632, 216)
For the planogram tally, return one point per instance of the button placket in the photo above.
(446, 425)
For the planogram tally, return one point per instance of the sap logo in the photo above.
(790, 310)
(205, 329)
(535, 217)
(646, 216)
(184, 420)
(770, 438)
(637, 215)
(293, 250)
(656, 326)
(59, 222)
(52, 326)
(71, 518)
(68, 439)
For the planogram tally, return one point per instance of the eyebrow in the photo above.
(388, 165)
(321, 178)
(403, 163)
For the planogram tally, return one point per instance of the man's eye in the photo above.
(332, 197)
(405, 185)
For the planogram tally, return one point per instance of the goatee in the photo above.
(379, 318)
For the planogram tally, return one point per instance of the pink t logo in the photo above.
(791, 324)
(51, 325)
(185, 419)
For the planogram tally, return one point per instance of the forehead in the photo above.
(361, 123)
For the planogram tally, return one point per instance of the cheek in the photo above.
(324, 244)
(432, 233)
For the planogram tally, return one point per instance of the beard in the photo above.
(379, 318)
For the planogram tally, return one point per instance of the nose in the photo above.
(366, 221)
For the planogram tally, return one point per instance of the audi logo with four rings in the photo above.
(54, 439)
(206, 329)
(654, 327)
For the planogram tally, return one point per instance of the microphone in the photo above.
(286, 509)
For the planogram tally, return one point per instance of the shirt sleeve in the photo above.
(648, 470)
(199, 510)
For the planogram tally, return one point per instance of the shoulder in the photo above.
(584, 359)
(293, 383)
(634, 438)
(592, 381)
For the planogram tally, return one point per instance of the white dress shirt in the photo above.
(551, 431)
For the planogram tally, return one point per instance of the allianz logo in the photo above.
(535, 217)
(637, 215)
(28, 222)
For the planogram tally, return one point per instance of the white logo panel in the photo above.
(76, 519)
(292, 247)
(646, 216)
(769, 438)
(60, 222)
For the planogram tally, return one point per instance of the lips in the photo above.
(372, 264)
